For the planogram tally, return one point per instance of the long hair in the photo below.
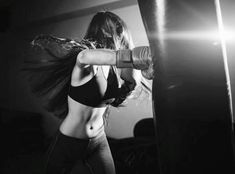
(50, 76)
(109, 31)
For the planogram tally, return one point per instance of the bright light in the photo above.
(224, 35)
(211, 35)
(161, 20)
(228, 35)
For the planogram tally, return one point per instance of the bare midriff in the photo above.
(82, 121)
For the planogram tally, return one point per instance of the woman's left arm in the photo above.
(131, 77)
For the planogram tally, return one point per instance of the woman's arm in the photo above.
(139, 58)
(131, 77)
(97, 57)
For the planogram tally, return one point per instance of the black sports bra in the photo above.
(98, 91)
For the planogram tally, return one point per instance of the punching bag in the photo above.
(192, 101)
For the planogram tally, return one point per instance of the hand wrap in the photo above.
(124, 59)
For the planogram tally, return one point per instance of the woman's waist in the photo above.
(83, 132)
(86, 127)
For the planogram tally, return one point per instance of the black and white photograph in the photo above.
(117, 86)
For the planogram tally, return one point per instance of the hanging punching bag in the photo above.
(191, 90)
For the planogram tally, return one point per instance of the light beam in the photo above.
(224, 50)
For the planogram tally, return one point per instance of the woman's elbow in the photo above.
(82, 57)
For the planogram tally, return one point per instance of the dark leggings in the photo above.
(68, 155)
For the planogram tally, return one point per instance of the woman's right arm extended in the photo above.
(139, 58)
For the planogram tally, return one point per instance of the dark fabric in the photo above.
(68, 155)
(49, 70)
(144, 128)
(63, 152)
(98, 91)
(135, 155)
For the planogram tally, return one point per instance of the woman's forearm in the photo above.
(97, 57)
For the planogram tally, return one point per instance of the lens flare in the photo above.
(223, 35)
(212, 35)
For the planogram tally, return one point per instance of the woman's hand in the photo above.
(131, 77)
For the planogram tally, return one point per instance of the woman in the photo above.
(81, 81)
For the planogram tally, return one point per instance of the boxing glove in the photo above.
(138, 58)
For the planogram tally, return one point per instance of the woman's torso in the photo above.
(89, 96)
